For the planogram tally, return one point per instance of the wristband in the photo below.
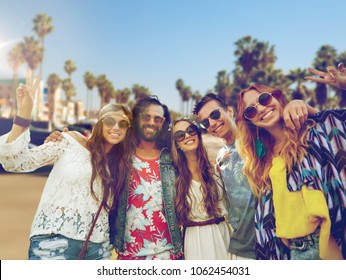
(21, 121)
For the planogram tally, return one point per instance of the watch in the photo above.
(21, 121)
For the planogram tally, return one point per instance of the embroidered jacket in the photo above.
(324, 169)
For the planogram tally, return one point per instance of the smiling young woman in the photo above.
(298, 177)
(201, 205)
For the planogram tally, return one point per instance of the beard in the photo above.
(149, 137)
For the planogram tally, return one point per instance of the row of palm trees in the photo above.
(31, 52)
(255, 62)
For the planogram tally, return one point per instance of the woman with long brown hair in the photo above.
(200, 196)
(83, 185)
(299, 177)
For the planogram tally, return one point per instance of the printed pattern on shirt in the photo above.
(147, 235)
(324, 169)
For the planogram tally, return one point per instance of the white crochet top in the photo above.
(66, 206)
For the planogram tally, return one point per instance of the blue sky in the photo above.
(156, 42)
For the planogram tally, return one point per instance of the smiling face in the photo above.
(150, 122)
(114, 127)
(190, 142)
(268, 116)
(221, 126)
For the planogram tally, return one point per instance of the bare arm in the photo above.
(25, 102)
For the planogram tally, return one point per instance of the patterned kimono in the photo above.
(324, 169)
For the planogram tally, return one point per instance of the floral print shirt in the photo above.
(147, 235)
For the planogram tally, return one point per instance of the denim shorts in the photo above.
(306, 247)
(59, 247)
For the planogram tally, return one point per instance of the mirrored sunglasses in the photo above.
(214, 115)
(147, 118)
(263, 99)
(179, 135)
(110, 122)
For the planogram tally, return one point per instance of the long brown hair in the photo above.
(209, 185)
(112, 167)
(257, 170)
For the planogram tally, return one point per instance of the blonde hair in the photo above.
(293, 151)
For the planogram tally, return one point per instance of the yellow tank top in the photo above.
(299, 213)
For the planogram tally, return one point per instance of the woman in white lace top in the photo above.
(86, 174)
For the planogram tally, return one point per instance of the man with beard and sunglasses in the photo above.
(145, 224)
(216, 117)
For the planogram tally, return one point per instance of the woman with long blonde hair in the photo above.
(200, 196)
(297, 176)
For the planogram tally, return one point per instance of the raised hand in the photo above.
(26, 95)
(333, 77)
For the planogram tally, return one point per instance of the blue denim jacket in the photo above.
(117, 221)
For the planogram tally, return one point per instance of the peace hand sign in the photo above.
(26, 95)
(334, 77)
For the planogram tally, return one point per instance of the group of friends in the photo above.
(144, 186)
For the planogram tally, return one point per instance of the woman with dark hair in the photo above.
(83, 186)
(299, 177)
(200, 196)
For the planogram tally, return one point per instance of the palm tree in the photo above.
(122, 95)
(90, 82)
(252, 56)
(69, 89)
(325, 56)
(32, 52)
(15, 59)
(140, 92)
(195, 97)
(297, 75)
(53, 83)
(69, 67)
(42, 27)
(223, 86)
(179, 85)
(105, 88)
(186, 96)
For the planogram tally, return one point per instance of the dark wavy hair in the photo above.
(205, 99)
(209, 185)
(164, 139)
(112, 167)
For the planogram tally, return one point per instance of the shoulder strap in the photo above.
(82, 252)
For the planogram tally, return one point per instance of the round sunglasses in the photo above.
(263, 99)
(179, 135)
(214, 115)
(110, 122)
(147, 118)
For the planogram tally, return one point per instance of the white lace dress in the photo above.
(208, 242)
(66, 206)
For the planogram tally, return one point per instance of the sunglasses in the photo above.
(147, 118)
(179, 135)
(110, 122)
(263, 99)
(214, 115)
